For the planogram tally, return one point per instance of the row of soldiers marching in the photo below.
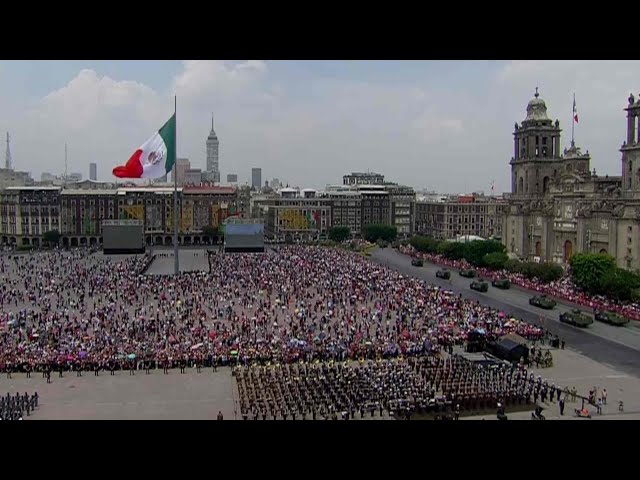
(13, 407)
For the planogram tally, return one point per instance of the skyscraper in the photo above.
(213, 166)
(93, 171)
(256, 178)
(232, 178)
(180, 168)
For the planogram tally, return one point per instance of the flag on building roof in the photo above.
(575, 110)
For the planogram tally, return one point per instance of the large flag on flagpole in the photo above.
(155, 157)
(575, 110)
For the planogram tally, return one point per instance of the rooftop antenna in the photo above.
(65, 163)
(7, 156)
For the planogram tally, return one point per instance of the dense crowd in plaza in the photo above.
(82, 311)
(562, 288)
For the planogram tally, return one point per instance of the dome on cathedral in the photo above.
(536, 109)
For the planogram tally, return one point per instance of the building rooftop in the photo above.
(536, 109)
(166, 190)
(35, 187)
(363, 174)
(84, 191)
(219, 189)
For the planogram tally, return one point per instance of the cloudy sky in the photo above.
(442, 125)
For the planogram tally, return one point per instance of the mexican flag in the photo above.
(155, 157)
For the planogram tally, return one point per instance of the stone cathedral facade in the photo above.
(558, 206)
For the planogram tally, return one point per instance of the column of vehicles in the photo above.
(573, 317)
(479, 284)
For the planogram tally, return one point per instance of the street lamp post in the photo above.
(531, 250)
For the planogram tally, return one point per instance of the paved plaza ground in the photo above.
(192, 396)
(192, 260)
(189, 396)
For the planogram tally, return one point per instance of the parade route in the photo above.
(618, 347)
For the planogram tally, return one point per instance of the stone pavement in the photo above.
(189, 396)
(201, 396)
(192, 260)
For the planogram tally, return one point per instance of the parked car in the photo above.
(502, 283)
(610, 317)
(443, 273)
(479, 285)
(417, 262)
(576, 318)
(542, 301)
(467, 273)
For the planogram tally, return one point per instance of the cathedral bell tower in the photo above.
(631, 148)
(536, 151)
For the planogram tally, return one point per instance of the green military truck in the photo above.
(417, 262)
(479, 285)
(542, 301)
(467, 273)
(443, 273)
(502, 283)
(576, 318)
(611, 318)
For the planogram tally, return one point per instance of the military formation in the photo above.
(16, 407)
(443, 386)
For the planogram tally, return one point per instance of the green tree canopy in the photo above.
(372, 233)
(339, 234)
(52, 237)
(587, 270)
(495, 260)
(451, 250)
(424, 244)
(619, 283)
(475, 251)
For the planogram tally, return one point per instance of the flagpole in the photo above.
(175, 189)
(573, 119)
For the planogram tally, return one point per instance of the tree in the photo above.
(372, 233)
(424, 244)
(587, 270)
(451, 250)
(545, 272)
(512, 265)
(495, 260)
(52, 237)
(475, 251)
(211, 232)
(339, 234)
(619, 283)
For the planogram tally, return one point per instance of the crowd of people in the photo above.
(83, 311)
(15, 407)
(563, 288)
